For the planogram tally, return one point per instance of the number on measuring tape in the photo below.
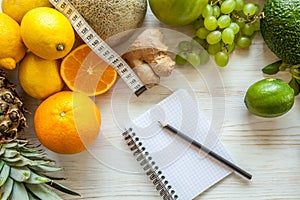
(89, 36)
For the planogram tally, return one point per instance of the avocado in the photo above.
(280, 29)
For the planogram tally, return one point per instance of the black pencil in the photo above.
(206, 150)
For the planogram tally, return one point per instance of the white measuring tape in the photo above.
(103, 50)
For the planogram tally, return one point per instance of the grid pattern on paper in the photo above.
(188, 170)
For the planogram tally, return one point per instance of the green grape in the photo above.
(228, 36)
(214, 37)
(239, 5)
(240, 22)
(210, 23)
(198, 23)
(249, 9)
(204, 57)
(256, 25)
(241, 14)
(212, 49)
(181, 58)
(248, 30)
(257, 9)
(224, 21)
(235, 27)
(195, 43)
(202, 33)
(193, 58)
(222, 59)
(202, 42)
(216, 11)
(228, 6)
(244, 41)
(207, 11)
(185, 46)
(229, 47)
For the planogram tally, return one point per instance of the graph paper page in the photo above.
(187, 170)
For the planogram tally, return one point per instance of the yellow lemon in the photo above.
(12, 49)
(38, 77)
(47, 33)
(18, 8)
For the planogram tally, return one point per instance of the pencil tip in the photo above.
(162, 124)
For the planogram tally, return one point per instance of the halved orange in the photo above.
(83, 71)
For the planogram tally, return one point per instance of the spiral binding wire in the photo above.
(149, 166)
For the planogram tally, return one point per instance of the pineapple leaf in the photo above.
(2, 151)
(54, 178)
(39, 162)
(12, 160)
(1, 164)
(31, 197)
(62, 188)
(29, 154)
(21, 163)
(43, 192)
(4, 174)
(27, 162)
(45, 168)
(20, 174)
(24, 141)
(22, 145)
(37, 179)
(10, 153)
(26, 149)
(19, 192)
(6, 189)
(10, 145)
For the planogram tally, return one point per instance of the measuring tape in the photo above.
(103, 50)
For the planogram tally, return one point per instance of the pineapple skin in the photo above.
(24, 167)
(12, 111)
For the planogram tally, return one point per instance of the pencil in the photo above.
(206, 150)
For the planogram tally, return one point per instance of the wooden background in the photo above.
(267, 148)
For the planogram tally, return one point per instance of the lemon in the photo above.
(38, 77)
(47, 33)
(16, 9)
(12, 49)
(269, 98)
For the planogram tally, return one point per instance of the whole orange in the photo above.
(67, 122)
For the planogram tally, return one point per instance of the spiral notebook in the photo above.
(175, 168)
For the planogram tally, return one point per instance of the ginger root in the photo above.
(149, 58)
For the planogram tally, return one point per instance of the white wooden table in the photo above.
(268, 148)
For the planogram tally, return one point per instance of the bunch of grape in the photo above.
(225, 24)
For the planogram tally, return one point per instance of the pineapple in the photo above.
(24, 169)
(12, 118)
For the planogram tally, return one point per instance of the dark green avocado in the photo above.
(280, 28)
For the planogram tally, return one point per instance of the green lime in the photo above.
(269, 98)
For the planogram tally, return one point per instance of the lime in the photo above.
(269, 97)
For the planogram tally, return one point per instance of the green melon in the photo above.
(111, 17)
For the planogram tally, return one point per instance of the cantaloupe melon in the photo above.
(111, 17)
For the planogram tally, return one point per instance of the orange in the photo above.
(67, 122)
(83, 71)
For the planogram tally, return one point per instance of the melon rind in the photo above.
(111, 17)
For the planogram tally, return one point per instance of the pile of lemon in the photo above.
(39, 43)
(37, 36)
